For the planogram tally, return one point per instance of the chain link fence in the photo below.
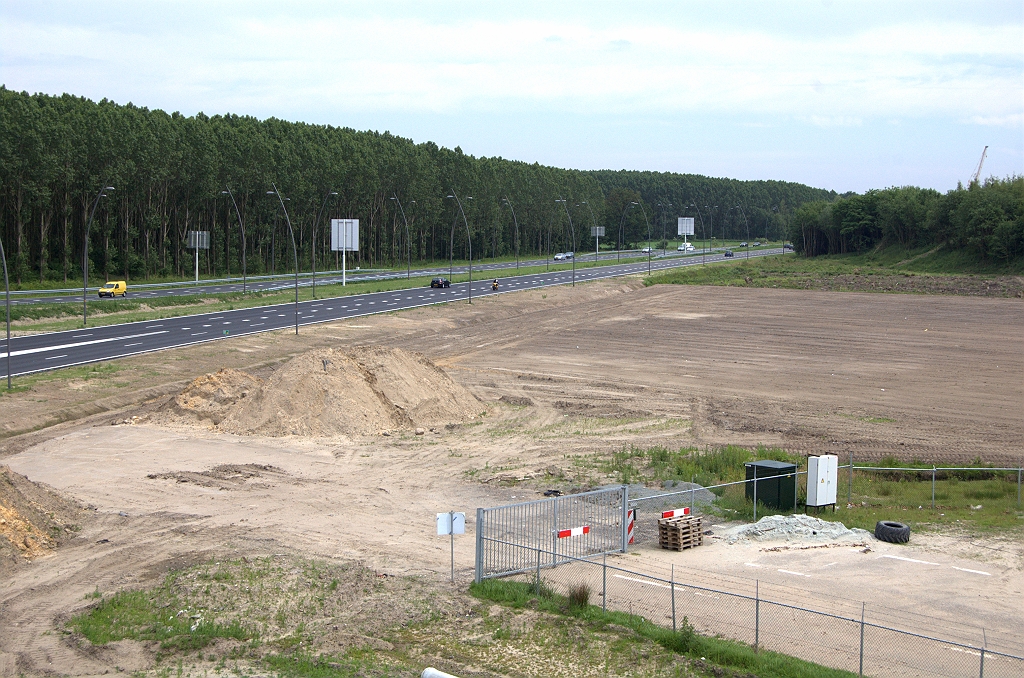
(853, 638)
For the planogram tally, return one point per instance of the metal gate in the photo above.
(508, 538)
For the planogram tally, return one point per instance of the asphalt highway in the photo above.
(40, 352)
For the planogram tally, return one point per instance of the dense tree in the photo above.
(169, 172)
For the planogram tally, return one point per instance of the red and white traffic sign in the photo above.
(676, 512)
(574, 532)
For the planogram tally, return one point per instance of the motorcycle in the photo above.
(494, 285)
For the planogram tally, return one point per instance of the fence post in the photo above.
(554, 532)
(933, 486)
(984, 644)
(673, 580)
(604, 584)
(625, 518)
(861, 640)
(757, 614)
(1018, 486)
(538, 573)
(693, 490)
(479, 545)
(849, 487)
(796, 485)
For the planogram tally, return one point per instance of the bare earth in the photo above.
(557, 373)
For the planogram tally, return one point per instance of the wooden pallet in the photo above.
(682, 532)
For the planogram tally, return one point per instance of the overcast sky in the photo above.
(841, 95)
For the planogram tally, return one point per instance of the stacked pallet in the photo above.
(681, 532)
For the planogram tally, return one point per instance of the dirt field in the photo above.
(557, 373)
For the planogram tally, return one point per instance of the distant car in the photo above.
(757, 244)
(646, 250)
(440, 282)
(685, 247)
(743, 244)
(114, 288)
(570, 255)
(560, 256)
(787, 246)
(727, 253)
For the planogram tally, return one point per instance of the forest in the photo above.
(171, 174)
(985, 221)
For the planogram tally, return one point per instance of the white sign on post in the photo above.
(685, 225)
(344, 239)
(451, 523)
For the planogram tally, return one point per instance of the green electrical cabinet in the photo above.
(775, 488)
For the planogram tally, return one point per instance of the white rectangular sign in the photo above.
(344, 235)
(198, 240)
(451, 523)
(597, 231)
(685, 226)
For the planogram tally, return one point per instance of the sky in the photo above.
(847, 96)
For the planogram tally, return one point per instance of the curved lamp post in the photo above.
(572, 230)
(241, 226)
(85, 252)
(313, 237)
(295, 253)
(408, 252)
(597, 241)
(516, 222)
(622, 221)
(704, 234)
(469, 239)
(747, 224)
(7, 288)
(664, 234)
(648, 237)
(711, 218)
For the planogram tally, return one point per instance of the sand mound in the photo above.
(33, 520)
(329, 392)
(212, 396)
(800, 528)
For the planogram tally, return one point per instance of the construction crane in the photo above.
(977, 173)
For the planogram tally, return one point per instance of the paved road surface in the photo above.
(40, 352)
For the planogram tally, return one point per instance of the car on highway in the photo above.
(685, 247)
(787, 246)
(440, 282)
(646, 250)
(757, 244)
(560, 256)
(727, 253)
(743, 244)
(570, 255)
(114, 288)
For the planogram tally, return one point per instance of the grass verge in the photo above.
(718, 651)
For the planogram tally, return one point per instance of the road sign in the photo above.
(198, 240)
(344, 235)
(451, 523)
(597, 231)
(685, 225)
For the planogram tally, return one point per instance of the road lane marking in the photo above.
(54, 357)
(137, 343)
(196, 334)
(909, 560)
(79, 343)
(964, 569)
(79, 336)
(798, 574)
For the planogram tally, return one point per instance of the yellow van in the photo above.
(114, 288)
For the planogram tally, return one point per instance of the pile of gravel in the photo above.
(801, 528)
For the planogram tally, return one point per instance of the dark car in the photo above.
(440, 282)
(787, 246)
(727, 253)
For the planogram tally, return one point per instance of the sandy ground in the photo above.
(559, 373)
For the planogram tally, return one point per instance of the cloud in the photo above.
(1013, 120)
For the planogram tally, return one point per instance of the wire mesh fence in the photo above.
(847, 638)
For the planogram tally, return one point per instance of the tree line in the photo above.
(170, 174)
(984, 220)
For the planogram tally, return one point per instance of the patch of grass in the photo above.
(353, 663)
(709, 466)
(685, 641)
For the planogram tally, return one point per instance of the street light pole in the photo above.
(622, 220)
(295, 253)
(648, 237)
(85, 253)
(408, 252)
(7, 289)
(711, 218)
(469, 239)
(703, 232)
(572, 230)
(241, 226)
(597, 238)
(312, 248)
(516, 222)
(747, 224)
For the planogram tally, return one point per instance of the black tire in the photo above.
(892, 532)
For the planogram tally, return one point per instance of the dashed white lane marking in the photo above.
(751, 564)
(79, 336)
(642, 581)
(909, 560)
(41, 349)
(964, 569)
(54, 357)
(798, 574)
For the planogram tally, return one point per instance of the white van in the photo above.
(686, 247)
